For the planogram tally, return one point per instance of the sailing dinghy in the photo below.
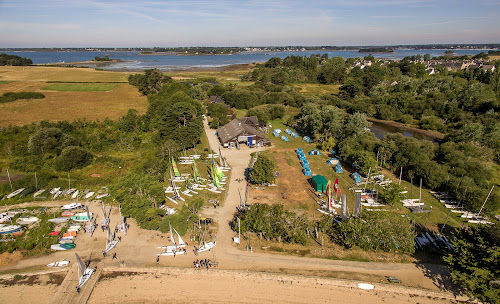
(176, 247)
(110, 241)
(84, 273)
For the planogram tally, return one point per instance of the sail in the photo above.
(329, 194)
(174, 166)
(195, 171)
(81, 266)
(219, 172)
(181, 241)
(172, 235)
(103, 210)
(217, 181)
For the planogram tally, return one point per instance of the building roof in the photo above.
(235, 128)
(216, 99)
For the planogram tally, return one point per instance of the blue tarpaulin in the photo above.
(314, 152)
(356, 177)
(307, 172)
(307, 139)
(338, 168)
(284, 138)
(332, 161)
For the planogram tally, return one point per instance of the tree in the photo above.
(386, 231)
(263, 170)
(392, 194)
(356, 125)
(475, 262)
(273, 62)
(333, 71)
(73, 157)
(50, 140)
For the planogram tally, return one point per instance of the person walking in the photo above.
(157, 260)
(114, 256)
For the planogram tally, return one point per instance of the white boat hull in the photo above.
(85, 277)
(58, 264)
(110, 246)
(206, 247)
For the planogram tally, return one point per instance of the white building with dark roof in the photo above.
(241, 130)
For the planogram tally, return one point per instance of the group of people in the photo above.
(105, 254)
(201, 263)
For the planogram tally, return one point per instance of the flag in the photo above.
(336, 186)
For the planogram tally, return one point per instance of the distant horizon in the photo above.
(255, 46)
(120, 23)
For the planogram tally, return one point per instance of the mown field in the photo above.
(82, 94)
(80, 87)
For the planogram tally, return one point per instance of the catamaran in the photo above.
(176, 247)
(223, 162)
(84, 273)
(90, 227)
(110, 241)
(105, 220)
(177, 175)
(204, 246)
(122, 226)
(176, 196)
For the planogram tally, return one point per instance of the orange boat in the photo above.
(70, 234)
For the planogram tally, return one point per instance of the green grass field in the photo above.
(80, 87)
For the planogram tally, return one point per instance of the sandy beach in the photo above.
(242, 276)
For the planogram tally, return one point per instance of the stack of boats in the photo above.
(54, 193)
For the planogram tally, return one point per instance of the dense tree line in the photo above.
(384, 231)
(475, 262)
(13, 96)
(14, 60)
(274, 222)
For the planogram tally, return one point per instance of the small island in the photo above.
(377, 50)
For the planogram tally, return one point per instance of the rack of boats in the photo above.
(55, 193)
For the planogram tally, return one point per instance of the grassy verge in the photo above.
(81, 87)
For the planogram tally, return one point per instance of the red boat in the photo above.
(67, 213)
(54, 233)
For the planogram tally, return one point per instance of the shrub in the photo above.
(13, 96)
(73, 157)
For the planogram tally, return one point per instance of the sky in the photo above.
(151, 23)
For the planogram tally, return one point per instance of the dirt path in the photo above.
(138, 250)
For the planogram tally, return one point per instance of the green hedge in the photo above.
(13, 96)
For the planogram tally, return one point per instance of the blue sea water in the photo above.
(136, 61)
